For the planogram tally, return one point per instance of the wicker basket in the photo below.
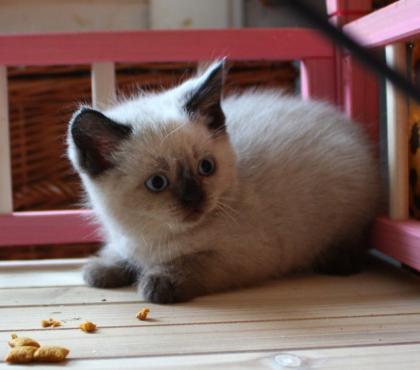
(43, 98)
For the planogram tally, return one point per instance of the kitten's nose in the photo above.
(190, 193)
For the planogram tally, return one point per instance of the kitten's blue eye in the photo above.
(206, 167)
(157, 183)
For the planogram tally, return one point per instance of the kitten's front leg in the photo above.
(161, 288)
(109, 271)
(180, 280)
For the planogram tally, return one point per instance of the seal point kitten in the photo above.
(197, 194)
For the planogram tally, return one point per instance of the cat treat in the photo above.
(50, 323)
(142, 314)
(24, 350)
(21, 354)
(50, 354)
(22, 341)
(88, 327)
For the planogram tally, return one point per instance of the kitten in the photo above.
(197, 194)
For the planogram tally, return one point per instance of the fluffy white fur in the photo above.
(296, 178)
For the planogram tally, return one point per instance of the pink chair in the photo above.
(326, 73)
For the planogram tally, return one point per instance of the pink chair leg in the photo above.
(361, 96)
(318, 80)
(357, 89)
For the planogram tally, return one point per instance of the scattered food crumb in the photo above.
(26, 350)
(50, 354)
(142, 315)
(20, 355)
(22, 342)
(88, 326)
(50, 323)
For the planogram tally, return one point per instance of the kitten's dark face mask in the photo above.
(188, 191)
(188, 187)
(185, 184)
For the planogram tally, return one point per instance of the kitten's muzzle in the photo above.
(191, 196)
(190, 193)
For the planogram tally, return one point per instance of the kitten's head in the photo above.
(157, 159)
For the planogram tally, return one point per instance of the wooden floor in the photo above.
(367, 321)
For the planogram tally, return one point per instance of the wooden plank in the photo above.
(64, 295)
(379, 278)
(405, 356)
(358, 358)
(398, 137)
(163, 46)
(6, 203)
(308, 313)
(103, 84)
(21, 265)
(248, 336)
(48, 227)
(39, 274)
(319, 288)
(398, 239)
(42, 278)
(396, 22)
(318, 79)
(300, 297)
(221, 308)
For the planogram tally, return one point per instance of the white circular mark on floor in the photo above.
(287, 361)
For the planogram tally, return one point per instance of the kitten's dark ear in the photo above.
(204, 100)
(96, 137)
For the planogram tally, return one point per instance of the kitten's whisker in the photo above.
(230, 208)
(224, 202)
(225, 212)
(227, 217)
(163, 246)
(145, 244)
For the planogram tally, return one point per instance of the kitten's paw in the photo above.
(160, 289)
(100, 274)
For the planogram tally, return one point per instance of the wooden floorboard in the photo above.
(222, 308)
(356, 358)
(45, 273)
(370, 320)
(240, 336)
(378, 280)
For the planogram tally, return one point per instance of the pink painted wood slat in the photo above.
(47, 227)
(162, 45)
(398, 239)
(357, 89)
(341, 12)
(25, 228)
(361, 96)
(343, 7)
(318, 79)
(399, 21)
